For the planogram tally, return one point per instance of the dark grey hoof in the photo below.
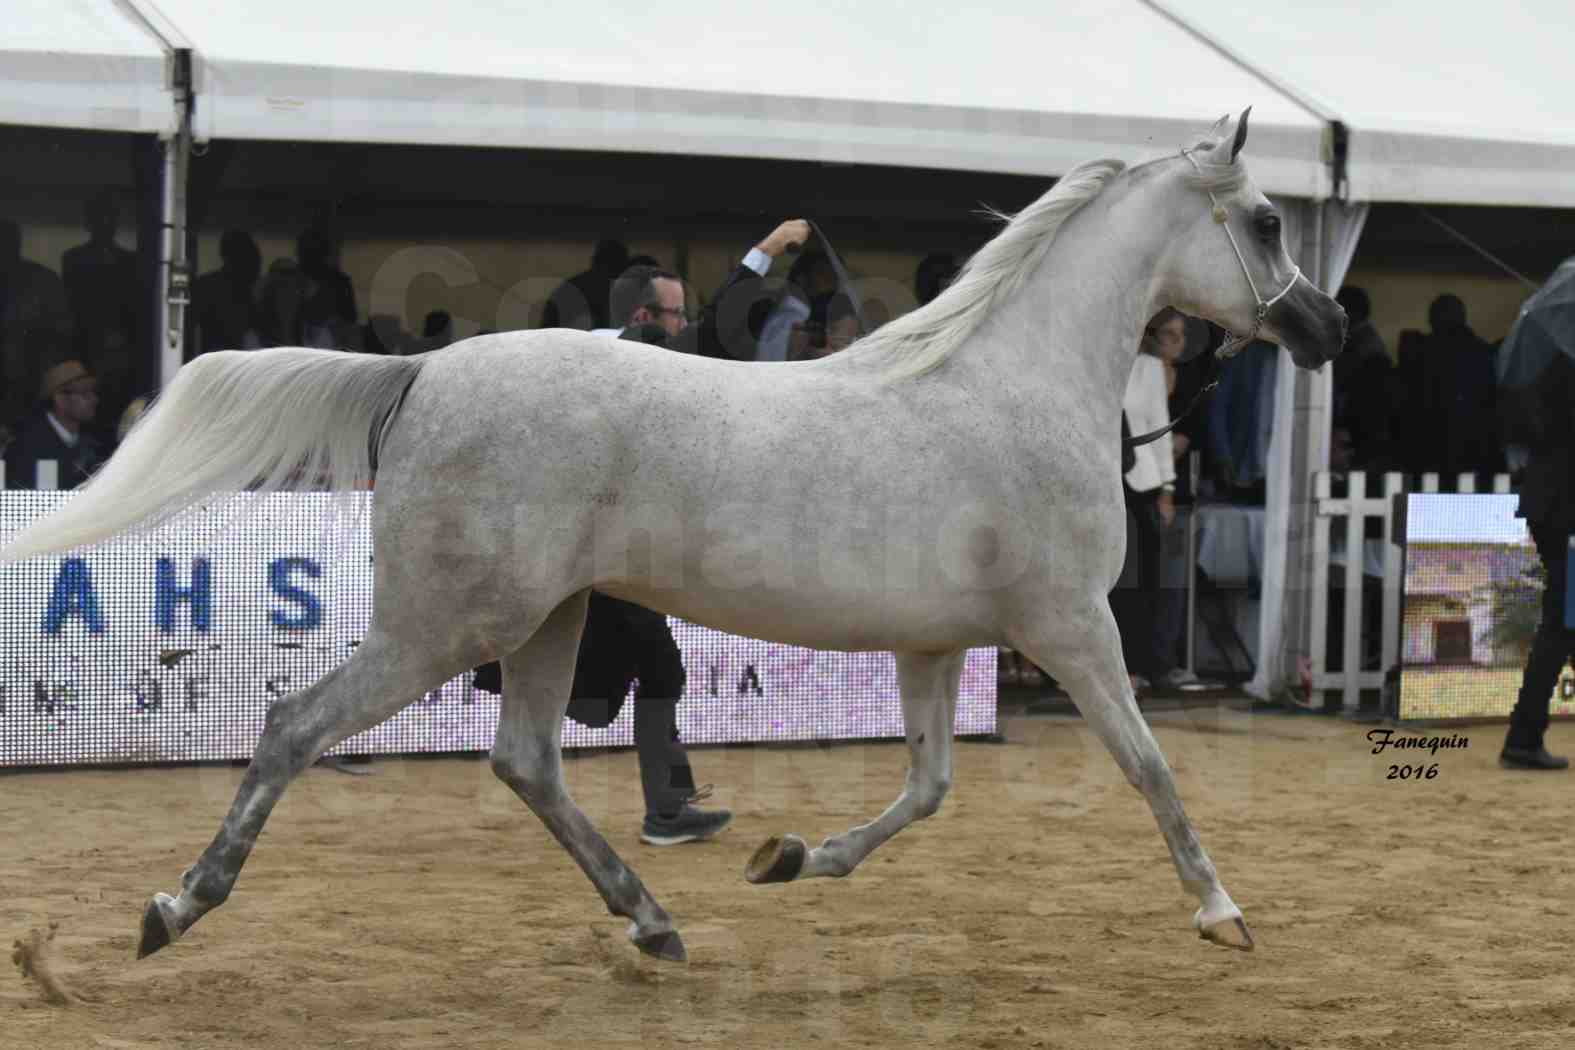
(667, 946)
(1231, 933)
(155, 931)
(780, 859)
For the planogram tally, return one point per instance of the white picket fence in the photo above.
(1357, 508)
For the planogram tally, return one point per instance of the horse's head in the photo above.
(1228, 262)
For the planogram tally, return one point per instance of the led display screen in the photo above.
(172, 649)
(1473, 593)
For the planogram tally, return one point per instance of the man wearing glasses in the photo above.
(56, 433)
(645, 298)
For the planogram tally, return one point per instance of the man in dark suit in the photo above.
(58, 431)
(1546, 426)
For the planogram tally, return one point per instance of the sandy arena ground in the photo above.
(424, 907)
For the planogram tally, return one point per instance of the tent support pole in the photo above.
(174, 275)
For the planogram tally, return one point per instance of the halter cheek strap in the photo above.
(1234, 343)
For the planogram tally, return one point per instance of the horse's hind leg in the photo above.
(526, 756)
(376, 682)
(1093, 670)
(929, 683)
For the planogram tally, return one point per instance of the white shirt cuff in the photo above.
(758, 261)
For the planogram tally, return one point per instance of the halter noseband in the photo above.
(1233, 342)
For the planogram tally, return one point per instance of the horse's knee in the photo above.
(536, 782)
(284, 740)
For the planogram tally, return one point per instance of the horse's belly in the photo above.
(840, 619)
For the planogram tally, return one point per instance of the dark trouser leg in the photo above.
(1134, 602)
(664, 764)
(1550, 649)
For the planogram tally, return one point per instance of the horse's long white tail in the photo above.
(232, 421)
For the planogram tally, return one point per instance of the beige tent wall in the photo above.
(1400, 300)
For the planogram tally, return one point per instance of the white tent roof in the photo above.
(1446, 103)
(81, 64)
(996, 86)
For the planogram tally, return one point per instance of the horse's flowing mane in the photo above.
(921, 340)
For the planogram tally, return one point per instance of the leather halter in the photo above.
(1233, 342)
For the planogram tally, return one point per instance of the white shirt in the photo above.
(65, 435)
(1147, 405)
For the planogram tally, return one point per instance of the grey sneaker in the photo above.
(688, 825)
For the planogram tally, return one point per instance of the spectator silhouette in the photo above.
(225, 301)
(791, 331)
(1452, 422)
(582, 301)
(1363, 381)
(328, 308)
(437, 330)
(100, 279)
(35, 325)
(934, 273)
(833, 325)
(279, 303)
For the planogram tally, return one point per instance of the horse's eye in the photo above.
(1268, 226)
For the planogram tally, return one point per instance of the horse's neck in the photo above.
(1077, 321)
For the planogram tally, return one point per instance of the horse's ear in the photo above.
(1218, 130)
(1241, 134)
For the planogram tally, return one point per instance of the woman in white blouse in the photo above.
(1150, 494)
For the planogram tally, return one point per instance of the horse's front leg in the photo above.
(929, 683)
(1087, 660)
(526, 756)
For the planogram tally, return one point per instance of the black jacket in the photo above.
(38, 441)
(1543, 419)
(729, 326)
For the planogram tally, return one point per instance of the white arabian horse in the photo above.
(953, 480)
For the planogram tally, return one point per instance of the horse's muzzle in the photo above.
(1309, 324)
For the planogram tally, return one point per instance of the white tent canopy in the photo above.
(999, 86)
(81, 64)
(1443, 106)
(1461, 105)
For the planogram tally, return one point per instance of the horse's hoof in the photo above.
(1229, 933)
(158, 928)
(780, 859)
(666, 945)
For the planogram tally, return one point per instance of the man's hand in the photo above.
(792, 233)
(1167, 508)
(1179, 444)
